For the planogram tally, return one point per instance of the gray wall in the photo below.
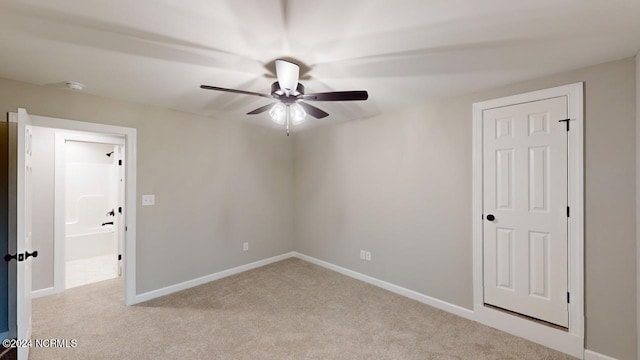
(217, 184)
(43, 186)
(399, 185)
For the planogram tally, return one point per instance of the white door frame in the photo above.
(59, 241)
(571, 341)
(130, 139)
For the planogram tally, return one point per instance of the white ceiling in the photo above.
(405, 52)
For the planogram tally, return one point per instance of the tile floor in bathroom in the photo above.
(90, 270)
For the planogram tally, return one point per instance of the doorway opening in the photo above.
(115, 158)
(93, 188)
(88, 208)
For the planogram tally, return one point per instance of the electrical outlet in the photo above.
(245, 246)
(362, 254)
(367, 256)
(148, 200)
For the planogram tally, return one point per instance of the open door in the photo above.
(20, 242)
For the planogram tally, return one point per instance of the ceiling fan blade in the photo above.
(261, 109)
(313, 111)
(207, 87)
(336, 96)
(288, 75)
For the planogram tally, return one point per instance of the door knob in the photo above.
(10, 257)
(17, 257)
(490, 217)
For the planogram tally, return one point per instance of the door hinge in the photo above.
(120, 162)
(568, 212)
(119, 257)
(125, 228)
(120, 209)
(568, 298)
(565, 121)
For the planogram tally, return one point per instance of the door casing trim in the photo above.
(130, 137)
(571, 341)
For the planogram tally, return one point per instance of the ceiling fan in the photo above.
(291, 107)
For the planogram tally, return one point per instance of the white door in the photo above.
(24, 239)
(525, 209)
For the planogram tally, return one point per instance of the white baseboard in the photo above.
(592, 355)
(552, 338)
(436, 303)
(207, 278)
(572, 346)
(43, 292)
(439, 304)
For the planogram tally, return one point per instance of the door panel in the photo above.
(525, 188)
(539, 179)
(504, 179)
(504, 250)
(539, 264)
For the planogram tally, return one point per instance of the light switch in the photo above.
(148, 200)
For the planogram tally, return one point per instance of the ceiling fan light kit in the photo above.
(291, 108)
(297, 113)
(278, 113)
(287, 114)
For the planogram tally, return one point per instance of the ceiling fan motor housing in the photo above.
(278, 93)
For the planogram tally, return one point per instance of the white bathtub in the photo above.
(81, 246)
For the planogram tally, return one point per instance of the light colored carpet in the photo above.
(287, 310)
